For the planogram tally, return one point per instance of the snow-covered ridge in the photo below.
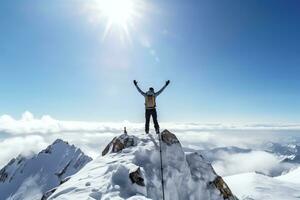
(30, 177)
(129, 168)
(290, 153)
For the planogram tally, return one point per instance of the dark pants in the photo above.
(148, 114)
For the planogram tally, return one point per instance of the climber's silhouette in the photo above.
(150, 105)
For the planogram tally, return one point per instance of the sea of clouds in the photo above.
(29, 135)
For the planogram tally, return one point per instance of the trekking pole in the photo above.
(161, 168)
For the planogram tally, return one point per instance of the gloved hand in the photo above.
(167, 82)
(134, 82)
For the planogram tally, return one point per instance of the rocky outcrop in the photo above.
(124, 141)
(169, 138)
(120, 143)
(136, 177)
(220, 184)
(48, 194)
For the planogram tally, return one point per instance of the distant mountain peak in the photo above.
(60, 141)
(46, 170)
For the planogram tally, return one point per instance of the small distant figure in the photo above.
(150, 105)
(125, 131)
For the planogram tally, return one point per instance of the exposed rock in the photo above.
(48, 150)
(220, 184)
(65, 180)
(120, 143)
(136, 177)
(168, 137)
(48, 194)
(3, 175)
(20, 159)
(106, 150)
(63, 171)
(11, 161)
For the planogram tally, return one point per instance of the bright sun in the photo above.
(120, 13)
(117, 11)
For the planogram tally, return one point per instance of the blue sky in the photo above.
(228, 61)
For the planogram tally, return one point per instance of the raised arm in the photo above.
(138, 88)
(162, 89)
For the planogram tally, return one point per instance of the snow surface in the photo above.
(187, 176)
(253, 186)
(28, 178)
(293, 176)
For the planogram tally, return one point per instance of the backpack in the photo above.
(150, 101)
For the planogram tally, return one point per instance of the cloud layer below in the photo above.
(28, 124)
(29, 134)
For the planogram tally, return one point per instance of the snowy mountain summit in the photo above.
(29, 178)
(129, 168)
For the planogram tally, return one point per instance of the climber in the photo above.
(150, 105)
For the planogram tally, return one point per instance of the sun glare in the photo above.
(117, 13)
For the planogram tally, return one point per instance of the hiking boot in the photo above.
(157, 131)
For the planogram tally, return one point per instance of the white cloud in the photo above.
(34, 134)
(11, 147)
(47, 125)
(30, 189)
(230, 164)
(28, 124)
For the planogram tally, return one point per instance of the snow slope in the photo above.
(187, 176)
(29, 178)
(253, 186)
(293, 176)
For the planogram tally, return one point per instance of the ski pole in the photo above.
(161, 168)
